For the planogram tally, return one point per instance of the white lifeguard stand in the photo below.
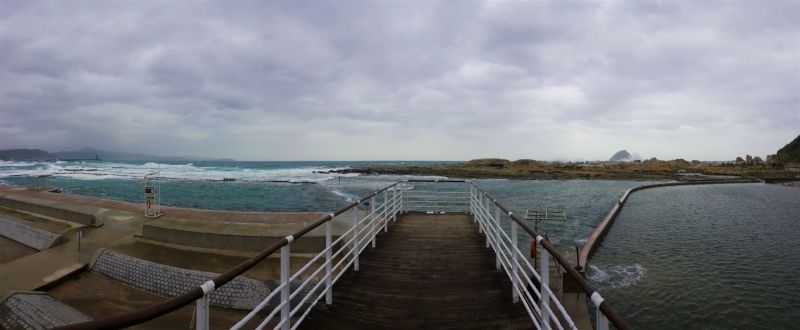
(152, 198)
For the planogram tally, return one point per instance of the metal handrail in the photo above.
(156, 310)
(603, 305)
(200, 293)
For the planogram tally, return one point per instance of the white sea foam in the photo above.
(112, 170)
(11, 163)
(348, 197)
(618, 276)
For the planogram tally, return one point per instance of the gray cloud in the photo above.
(402, 80)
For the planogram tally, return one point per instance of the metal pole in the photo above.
(602, 320)
(385, 211)
(201, 313)
(355, 238)
(514, 262)
(372, 231)
(466, 198)
(403, 206)
(285, 290)
(328, 262)
(471, 209)
(544, 272)
(488, 218)
(497, 245)
(394, 203)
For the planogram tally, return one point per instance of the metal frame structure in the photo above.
(297, 294)
(152, 195)
(544, 214)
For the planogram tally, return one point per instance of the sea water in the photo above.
(700, 257)
(704, 257)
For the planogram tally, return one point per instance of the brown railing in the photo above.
(590, 292)
(154, 311)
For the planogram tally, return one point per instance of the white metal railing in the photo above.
(526, 282)
(300, 291)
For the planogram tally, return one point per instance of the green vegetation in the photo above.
(790, 153)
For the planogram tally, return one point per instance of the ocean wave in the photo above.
(11, 163)
(348, 197)
(188, 171)
(618, 276)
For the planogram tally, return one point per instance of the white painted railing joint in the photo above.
(597, 299)
(208, 287)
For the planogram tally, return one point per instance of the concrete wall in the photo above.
(210, 240)
(247, 236)
(52, 209)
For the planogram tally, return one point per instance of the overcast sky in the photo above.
(402, 80)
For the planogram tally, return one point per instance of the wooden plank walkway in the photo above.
(430, 272)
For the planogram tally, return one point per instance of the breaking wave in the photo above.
(618, 276)
(188, 171)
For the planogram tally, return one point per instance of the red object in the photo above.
(533, 249)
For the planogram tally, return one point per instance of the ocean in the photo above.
(742, 262)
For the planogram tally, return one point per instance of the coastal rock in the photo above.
(623, 156)
(790, 153)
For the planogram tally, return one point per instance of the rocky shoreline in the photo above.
(678, 170)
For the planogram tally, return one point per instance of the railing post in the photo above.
(471, 209)
(514, 261)
(466, 197)
(402, 202)
(285, 291)
(394, 204)
(602, 320)
(372, 231)
(544, 272)
(497, 245)
(328, 262)
(201, 313)
(385, 211)
(487, 219)
(355, 238)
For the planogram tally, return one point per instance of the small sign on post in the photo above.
(79, 235)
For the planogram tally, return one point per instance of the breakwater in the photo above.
(597, 234)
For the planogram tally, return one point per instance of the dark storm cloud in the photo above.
(392, 80)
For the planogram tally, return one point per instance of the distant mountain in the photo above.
(25, 154)
(623, 156)
(790, 153)
(89, 153)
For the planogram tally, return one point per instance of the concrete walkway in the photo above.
(48, 266)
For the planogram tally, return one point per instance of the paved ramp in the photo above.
(429, 271)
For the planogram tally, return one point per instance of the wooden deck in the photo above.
(429, 271)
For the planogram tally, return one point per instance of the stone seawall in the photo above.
(50, 208)
(601, 229)
(164, 280)
(26, 234)
(36, 310)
